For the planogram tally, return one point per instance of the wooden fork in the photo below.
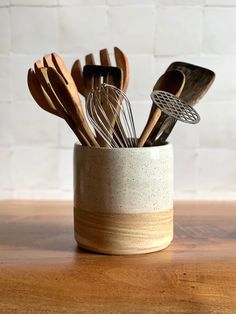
(54, 61)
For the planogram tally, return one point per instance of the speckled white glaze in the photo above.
(123, 180)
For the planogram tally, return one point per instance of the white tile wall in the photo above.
(218, 118)
(181, 2)
(4, 3)
(220, 3)
(34, 29)
(18, 68)
(66, 170)
(141, 77)
(34, 2)
(35, 168)
(185, 136)
(185, 172)
(216, 172)
(82, 2)
(36, 149)
(178, 30)
(77, 35)
(130, 2)
(5, 78)
(6, 124)
(219, 30)
(66, 136)
(5, 34)
(33, 126)
(6, 182)
(136, 36)
(140, 113)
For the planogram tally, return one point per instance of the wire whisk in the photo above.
(109, 112)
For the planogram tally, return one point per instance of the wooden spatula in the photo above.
(172, 82)
(198, 82)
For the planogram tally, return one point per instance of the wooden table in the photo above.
(43, 271)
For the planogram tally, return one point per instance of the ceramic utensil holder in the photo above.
(123, 199)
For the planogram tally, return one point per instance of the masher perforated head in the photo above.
(174, 107)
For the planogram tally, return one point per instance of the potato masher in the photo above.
(172, 108)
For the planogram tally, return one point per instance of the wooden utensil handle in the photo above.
(173, 82)
(157, 128)
(162, 139)
(150, 125)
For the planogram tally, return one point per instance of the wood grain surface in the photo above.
(43, 271)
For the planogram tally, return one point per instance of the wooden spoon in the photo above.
(172, 82)
(198, 82)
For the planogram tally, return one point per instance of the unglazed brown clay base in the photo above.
(123, 233)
